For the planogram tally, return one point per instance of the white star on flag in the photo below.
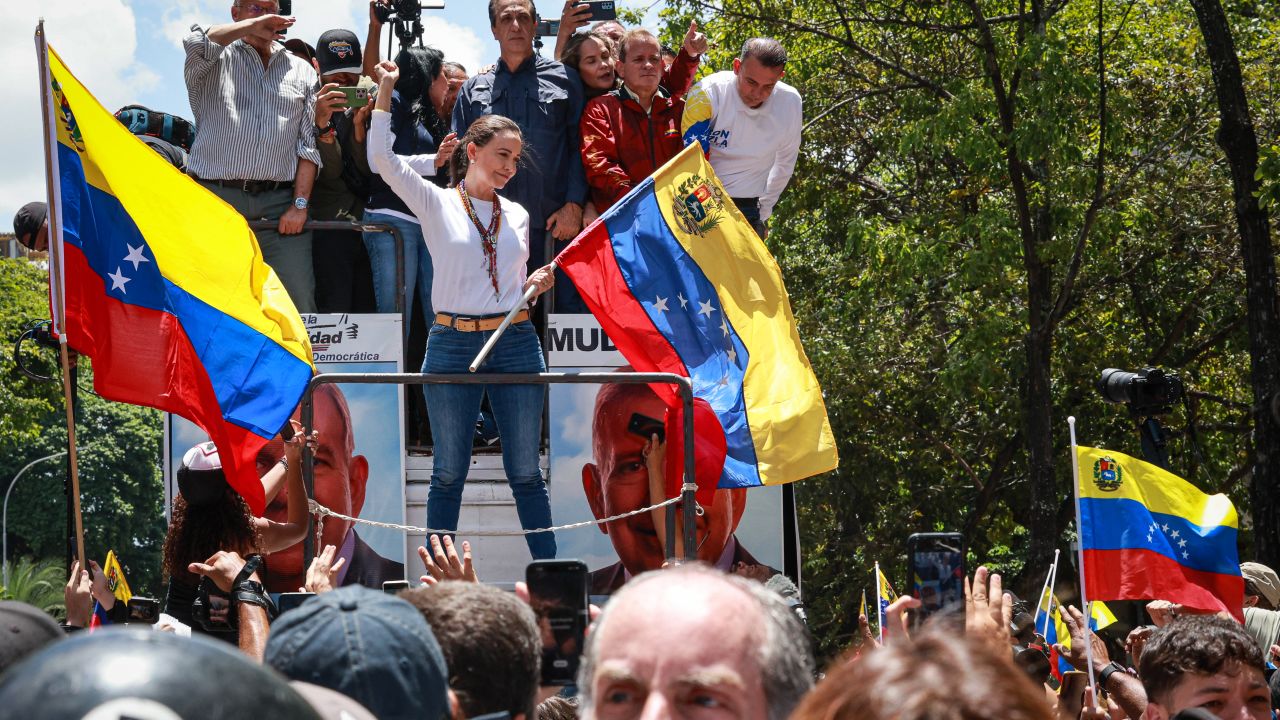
(1165, 527)
(135, 255)
(724, 325)
(660, 305)
(1182, 543)
(733, 355)
(1150, 538)
(1185, 555)
(1173, 534)
(683, 303)
(705, 308)
(118, 280)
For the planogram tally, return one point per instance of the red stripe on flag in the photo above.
(143, 356)
(592, 266)
(1147, 575)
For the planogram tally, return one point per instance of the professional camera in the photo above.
(1149, 391)
(405, 17)
(407, 11)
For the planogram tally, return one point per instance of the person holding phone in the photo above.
(254, 102)
(343, 279)
(480, 246)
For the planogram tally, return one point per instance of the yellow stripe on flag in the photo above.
(1157, 489)
(784, 405)
(173, 212)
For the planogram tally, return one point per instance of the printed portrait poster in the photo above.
(597, 471)
(362, 478)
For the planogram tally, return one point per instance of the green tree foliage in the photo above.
(122, 496)
(921, 271)
(39, 583)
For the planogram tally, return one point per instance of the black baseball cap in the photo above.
(339, 52)
(28, 221)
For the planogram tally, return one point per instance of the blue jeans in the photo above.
(382, 259)
(452, 409)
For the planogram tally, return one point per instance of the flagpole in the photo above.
(879, 605)
(506, 322)
(56, 279)
(1084, 595)
(1048, 584)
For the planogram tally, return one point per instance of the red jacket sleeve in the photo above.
(678, 78)
(600, 157)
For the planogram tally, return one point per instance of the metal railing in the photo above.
(356, 227)
(683, 385)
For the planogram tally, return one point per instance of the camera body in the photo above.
(405, 11)
(1149, 391)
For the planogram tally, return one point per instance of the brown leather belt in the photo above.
(252, 187)
(473, 324)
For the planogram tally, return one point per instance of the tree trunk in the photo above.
(1038, 417)
(1240, 143)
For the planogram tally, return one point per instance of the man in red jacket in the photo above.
(631, 132)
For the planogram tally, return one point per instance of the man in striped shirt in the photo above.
(254, 103)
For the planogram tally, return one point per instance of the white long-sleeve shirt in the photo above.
(753, 150)
(461, 284)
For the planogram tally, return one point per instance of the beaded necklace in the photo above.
(488, 236)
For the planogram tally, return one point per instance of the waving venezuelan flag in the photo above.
(682, 284)
(1147, 534)
(164, 287)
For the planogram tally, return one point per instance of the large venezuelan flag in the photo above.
(682, 284)
(1147, 534)
(164, 287)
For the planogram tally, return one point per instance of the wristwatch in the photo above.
(1112, 668)
(300, 203)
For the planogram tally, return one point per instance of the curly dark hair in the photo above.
(198, 531)
(1199, 645)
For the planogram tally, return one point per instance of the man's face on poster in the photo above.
(340, 479)
(618, 482)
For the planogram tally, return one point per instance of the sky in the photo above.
(130, 51)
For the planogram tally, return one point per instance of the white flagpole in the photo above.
(879, 607)
(1084, 594)
(506, 322)
(1049, 581)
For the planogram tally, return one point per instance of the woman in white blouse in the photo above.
(479, 244)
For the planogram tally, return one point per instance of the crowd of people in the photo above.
(682, 641)
(474, 182)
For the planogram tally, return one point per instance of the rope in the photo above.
(322, 511)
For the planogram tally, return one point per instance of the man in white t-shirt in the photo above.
(748, 122)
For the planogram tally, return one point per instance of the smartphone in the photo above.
(548, 28)
(936, 564)
(357, 97)
(602, 9)
(143, 610)
(558, 594)
(1071, 692)
(286, 431)
(646, 427)
(291, 600)
(391, 587)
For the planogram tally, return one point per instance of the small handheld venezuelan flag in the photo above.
(1147, 534)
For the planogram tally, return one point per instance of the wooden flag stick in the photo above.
(56, 278)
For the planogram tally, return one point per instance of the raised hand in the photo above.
(442, 561)
(695, 43)
(322, 576)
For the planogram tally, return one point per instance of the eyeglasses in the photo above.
(256, 9)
